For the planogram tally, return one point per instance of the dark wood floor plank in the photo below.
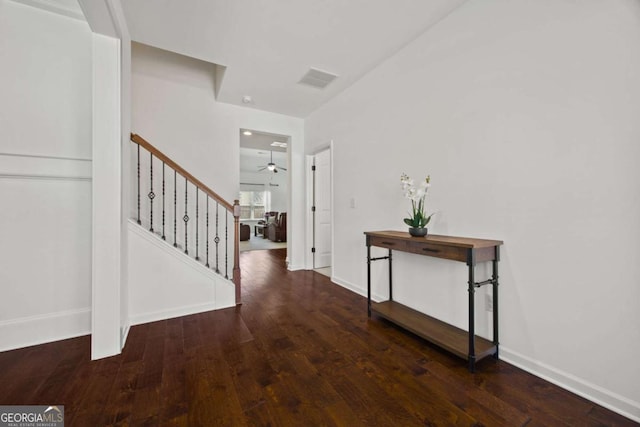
(122, 399)
(300, 351)
(90, 407)
(426, 400)
(251, 374)
(173, 402)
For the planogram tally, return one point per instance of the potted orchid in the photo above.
(418, 219)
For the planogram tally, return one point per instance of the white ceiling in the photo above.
(69, 8)
(267, 46)
(262, 140)
(252, 160)
(256, 151)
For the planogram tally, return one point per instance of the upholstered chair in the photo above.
(277, 231)
(262, 225)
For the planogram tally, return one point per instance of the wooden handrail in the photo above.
(163, 157)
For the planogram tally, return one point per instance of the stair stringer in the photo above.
(164, 282)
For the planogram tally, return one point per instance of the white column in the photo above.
(106, 204)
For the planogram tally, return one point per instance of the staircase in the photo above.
(177, 208)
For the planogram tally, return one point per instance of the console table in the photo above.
(462, 343)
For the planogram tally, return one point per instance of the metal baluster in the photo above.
(139, 185)
(185, 218)
(197, 221)
(226, 245)
(207, 264)
(217, 239)
(175, 210)
(163, 236)
(152, 195)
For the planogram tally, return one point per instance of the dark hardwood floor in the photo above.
(300, 351)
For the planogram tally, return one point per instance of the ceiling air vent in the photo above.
(316, 78)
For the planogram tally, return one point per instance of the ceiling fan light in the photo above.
(271, 167)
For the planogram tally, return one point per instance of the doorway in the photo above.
(264, 190)
(322, 216)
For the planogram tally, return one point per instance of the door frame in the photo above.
(309, 204)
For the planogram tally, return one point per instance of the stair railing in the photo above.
(208, 232)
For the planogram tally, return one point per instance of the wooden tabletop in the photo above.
(462, 242)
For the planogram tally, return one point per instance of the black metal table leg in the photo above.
(471, 262)
(368, 278)
(390, 279)
(496, 340)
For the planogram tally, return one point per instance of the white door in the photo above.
(322, 212)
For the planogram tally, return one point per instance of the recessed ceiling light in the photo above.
(247, 132)
(279, 144)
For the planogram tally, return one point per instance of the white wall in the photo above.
(174, 108)
(169, 283)
(125, 127)
(45, 176)
(526, 116)
(107, 196)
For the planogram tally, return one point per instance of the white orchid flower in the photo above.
(417, 196)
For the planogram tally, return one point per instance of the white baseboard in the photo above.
(172, 313)
(34, 330)
(124, 334)
(292, 267)
(592, 392)
(357, 289)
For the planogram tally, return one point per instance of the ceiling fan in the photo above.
(272, 167)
